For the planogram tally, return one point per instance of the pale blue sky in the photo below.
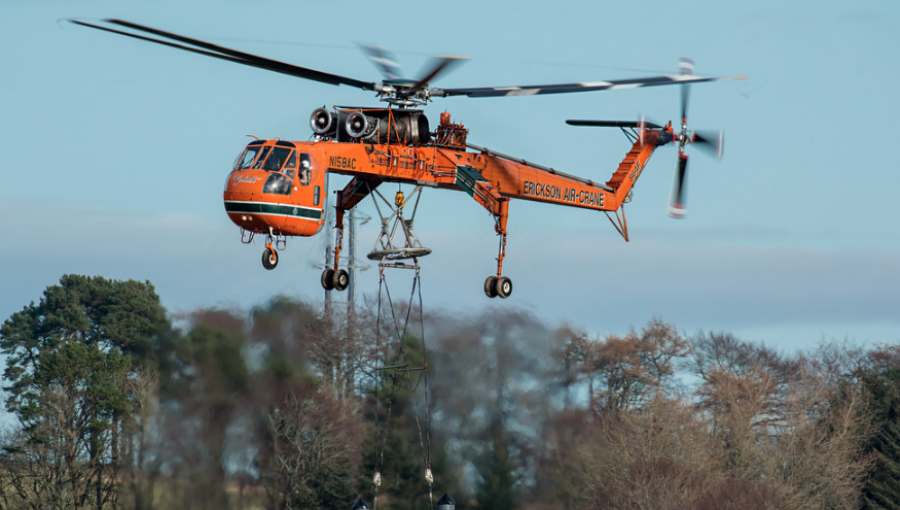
(116, 152)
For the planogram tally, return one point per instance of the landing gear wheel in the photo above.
(341, 279)
(504, 287)
(270, 258)
(328, 279)
(490, 287)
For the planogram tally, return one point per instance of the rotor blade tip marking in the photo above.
(594, 84)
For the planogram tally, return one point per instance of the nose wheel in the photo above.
(269, 258)
(498, 287)
(270, 254)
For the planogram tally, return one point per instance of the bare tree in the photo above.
(625, 373)
(793, 422)
(315, 441)
(654, 458)
(818, 462)
(140, 440)
(743, 393)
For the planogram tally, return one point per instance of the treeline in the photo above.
(116, 405)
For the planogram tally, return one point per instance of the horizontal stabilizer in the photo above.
(612, 123)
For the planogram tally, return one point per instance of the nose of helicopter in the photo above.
(243, 191)
(270, 202)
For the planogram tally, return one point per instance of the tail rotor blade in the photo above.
(686, 66)
(712, 142)
(677, 206)
(642, 125)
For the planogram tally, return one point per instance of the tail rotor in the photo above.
(709, 141)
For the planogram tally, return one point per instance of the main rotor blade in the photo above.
(612, 123)
(566, 88)
(439, 65)
(383, 59)
(223, 53)
(677, 206)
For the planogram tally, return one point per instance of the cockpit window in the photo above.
(279, 184)
(306, 168)
(291, 165)
(246, 158)
(276, 159)
(262, 157)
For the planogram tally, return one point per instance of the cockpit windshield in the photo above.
(262, 157)
(268, 158)
(276, 159)
(246, 158)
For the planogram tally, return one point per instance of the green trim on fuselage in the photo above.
(292, 211)
(467, 178)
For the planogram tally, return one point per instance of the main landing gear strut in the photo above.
(499, 285)
(335, 278)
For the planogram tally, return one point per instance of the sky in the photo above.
(116, 153)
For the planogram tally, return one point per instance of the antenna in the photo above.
(351, 290)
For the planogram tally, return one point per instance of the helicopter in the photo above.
(279, 188)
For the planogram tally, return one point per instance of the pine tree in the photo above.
(393, 446)
(68, 361)
(496, 489)
(882, 489)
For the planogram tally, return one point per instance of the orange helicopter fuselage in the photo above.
(279, 187)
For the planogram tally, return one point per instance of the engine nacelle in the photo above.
(321, 121)
(376, 125)
(358, 124)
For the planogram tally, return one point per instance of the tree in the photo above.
(394, 412)
(883, 487)
(68, 361)
(139, 445)
(206, 398)
(488, 367)
(337, 346)
(497, 488)
(629, 372)
(659, 456)
(759, 430)
(815, 460)
(314, 439)
(881, 380)
(743, 391)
